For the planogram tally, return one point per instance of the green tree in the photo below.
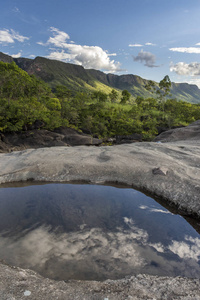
(125, 97)
(62, 92)
(113, 95)
(162, 90)
(99, 96)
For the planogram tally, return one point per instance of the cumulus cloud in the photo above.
(190, 248)
(17, 55)
(10, 36)
(158, 246)
(183, 68)
(87, 56)
(195, 50)
(147, 58)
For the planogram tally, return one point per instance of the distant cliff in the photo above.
(77, 78)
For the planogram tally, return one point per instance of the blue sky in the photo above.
(149, 38)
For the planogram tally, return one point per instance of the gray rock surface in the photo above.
(189, 133)
(132, 164)
(177, 180)
(16, 283)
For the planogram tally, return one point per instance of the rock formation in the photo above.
(168, 170)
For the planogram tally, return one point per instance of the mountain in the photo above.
(77, 78)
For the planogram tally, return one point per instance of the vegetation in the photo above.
(25, 99)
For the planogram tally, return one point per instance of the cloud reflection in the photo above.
(190, 248)
(98, 254)
(155, 209)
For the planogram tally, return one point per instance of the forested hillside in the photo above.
(76, 78)
(25, 100)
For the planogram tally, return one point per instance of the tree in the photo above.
(62, 92)
(125, 97)
(99, 96)
(164, 86)
(17, 84)
(162, 89)
(113, 95)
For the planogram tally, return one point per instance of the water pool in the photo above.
(94, 232)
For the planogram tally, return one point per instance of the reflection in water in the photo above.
(67, 231)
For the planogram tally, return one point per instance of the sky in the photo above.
(149, 38)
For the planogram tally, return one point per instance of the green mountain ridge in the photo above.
(76, 78)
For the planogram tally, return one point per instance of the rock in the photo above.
(43, 138)
(36, 287)
(131, 164)
(189, 133)
(160, 171)
(126, 139)
(75, 138)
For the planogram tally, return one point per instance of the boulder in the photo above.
(190, 133)
(44, 138)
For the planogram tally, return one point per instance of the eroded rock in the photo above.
(63, 136)
(131, 164)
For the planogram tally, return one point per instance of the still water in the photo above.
(72, 231)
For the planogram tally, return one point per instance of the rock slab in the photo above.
(140, 165)
(177, 180)
(18, 284)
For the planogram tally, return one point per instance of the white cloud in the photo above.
(41, 44)
(9, 36)
(135, 45)
(112, 54)
(150, 44)
(143, 207)
(17, 55)
(160, 211)
(154, 209)
(93, 57)
(140, 45)
(147, 58)
(183, 68)
(158, 246)
(190, 248)
(195, 81)
(87, 249)
(186, 49)
(59, 38)
(63, 56)
(6, 37)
